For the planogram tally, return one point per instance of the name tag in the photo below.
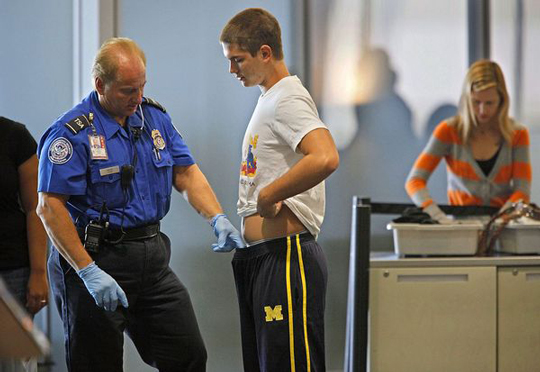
(110, 170)
(97, 147)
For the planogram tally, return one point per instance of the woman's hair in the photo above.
(483, 74)
(106, 62)
(252, 28)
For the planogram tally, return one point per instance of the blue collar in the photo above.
(108, 128)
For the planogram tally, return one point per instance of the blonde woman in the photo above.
(486, 151)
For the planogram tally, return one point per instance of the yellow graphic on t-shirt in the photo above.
(249, 166)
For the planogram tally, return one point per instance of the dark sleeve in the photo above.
(23, 144)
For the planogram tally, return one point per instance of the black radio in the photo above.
(93, 235)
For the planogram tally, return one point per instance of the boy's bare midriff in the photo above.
(255, 227)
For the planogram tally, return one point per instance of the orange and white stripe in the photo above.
(510, 178)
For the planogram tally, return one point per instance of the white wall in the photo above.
(35, 82)
(35, 61)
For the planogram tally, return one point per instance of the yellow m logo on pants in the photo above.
(273, 314)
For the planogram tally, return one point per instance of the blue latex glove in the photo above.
(228, 237)
(102, 287)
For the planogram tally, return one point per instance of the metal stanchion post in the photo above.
(356, 342)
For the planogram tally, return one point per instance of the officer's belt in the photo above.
(135, 233)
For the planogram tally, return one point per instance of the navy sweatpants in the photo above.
(281, 287)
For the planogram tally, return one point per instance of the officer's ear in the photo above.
(100, 85)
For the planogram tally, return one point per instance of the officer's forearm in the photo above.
(194, 186)
(203, 200)
(61, 230)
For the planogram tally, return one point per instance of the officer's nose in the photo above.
(140, 94)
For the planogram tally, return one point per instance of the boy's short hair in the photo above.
(252, 28)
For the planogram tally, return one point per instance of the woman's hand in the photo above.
(37, 294)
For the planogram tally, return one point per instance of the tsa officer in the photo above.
(107, 168)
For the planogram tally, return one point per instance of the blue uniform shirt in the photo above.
(85, 162)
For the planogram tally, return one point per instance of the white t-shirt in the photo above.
(283, 116)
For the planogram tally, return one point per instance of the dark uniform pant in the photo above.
(160, 318)
(281, 286)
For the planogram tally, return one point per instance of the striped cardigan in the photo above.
(510, 178)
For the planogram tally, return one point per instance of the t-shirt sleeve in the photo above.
(25, 145)
(296, 117)
(63, 162)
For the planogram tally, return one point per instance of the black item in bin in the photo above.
(415, 215)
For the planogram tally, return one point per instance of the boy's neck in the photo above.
(278, 71)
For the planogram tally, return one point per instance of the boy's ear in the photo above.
(266, 51)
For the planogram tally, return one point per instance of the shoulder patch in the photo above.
(60, 151)
(152, 102)
(78, 124)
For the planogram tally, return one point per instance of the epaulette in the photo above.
(79, 123)
(152, 102)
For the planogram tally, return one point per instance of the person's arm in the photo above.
(55, 217)
(416, 183)
(61, 230)
(37, 293)
(319, 161)
(193, 185)
(521, 167)
(426, 163)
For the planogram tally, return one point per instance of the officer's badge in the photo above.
(60, 151)
(159, 142)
